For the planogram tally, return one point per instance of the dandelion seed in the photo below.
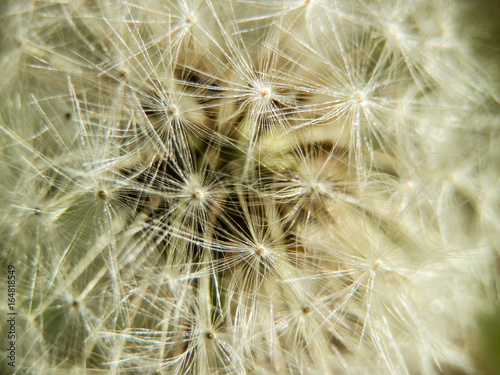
(261, 251)
(172, 111)
(102, 194)
(360, 97)
(197, 195)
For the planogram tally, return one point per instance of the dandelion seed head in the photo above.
(242, 186)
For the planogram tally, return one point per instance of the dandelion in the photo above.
(247, 187)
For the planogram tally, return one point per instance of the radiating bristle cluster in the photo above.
(245, 187)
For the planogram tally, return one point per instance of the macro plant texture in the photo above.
(246, 186)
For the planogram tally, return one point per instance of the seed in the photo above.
(102, 194)
(260, 251)
(197, 195)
